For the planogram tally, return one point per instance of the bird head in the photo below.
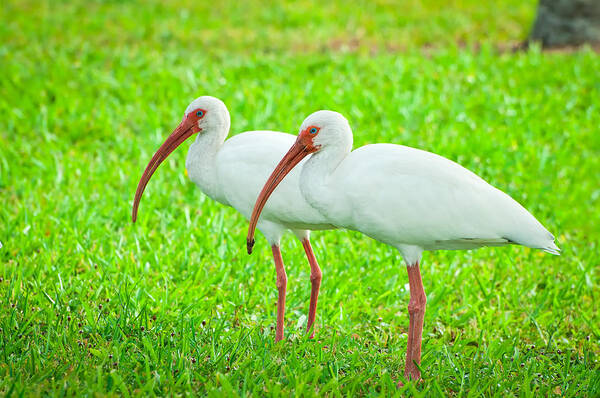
(206, 114)
(323, 129)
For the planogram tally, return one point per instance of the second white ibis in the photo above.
(410, 199)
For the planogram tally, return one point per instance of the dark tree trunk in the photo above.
(566, 22)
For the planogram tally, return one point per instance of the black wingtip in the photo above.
(249, 245)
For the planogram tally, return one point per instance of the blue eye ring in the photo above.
(313, 130)
(199, 113)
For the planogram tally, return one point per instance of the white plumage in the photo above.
(404, 196)
(408, 198)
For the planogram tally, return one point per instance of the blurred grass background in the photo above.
(92, 304)
(252, 27)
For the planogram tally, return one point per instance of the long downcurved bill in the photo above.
(297, 152)
(186, 129)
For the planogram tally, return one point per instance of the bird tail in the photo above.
(552, 249)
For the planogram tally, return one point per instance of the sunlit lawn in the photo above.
(90, 303)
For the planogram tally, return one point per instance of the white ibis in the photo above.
(410, 199)
(232, 173)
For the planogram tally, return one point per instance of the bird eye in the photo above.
(313, 130)
(199, 113)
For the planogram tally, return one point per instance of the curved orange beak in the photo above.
(186, 129)
(301, 148)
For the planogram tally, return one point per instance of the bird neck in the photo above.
(201, 162)
(316, 177)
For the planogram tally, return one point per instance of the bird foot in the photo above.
(414, 375)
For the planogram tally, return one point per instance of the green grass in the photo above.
(90, 303)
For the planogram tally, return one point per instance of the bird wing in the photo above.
(429, 201)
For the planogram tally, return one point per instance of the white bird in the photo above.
(410, 199)
(232, 173)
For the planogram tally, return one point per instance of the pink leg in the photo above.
(315, 281)
(416, 310)
(281, 286)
